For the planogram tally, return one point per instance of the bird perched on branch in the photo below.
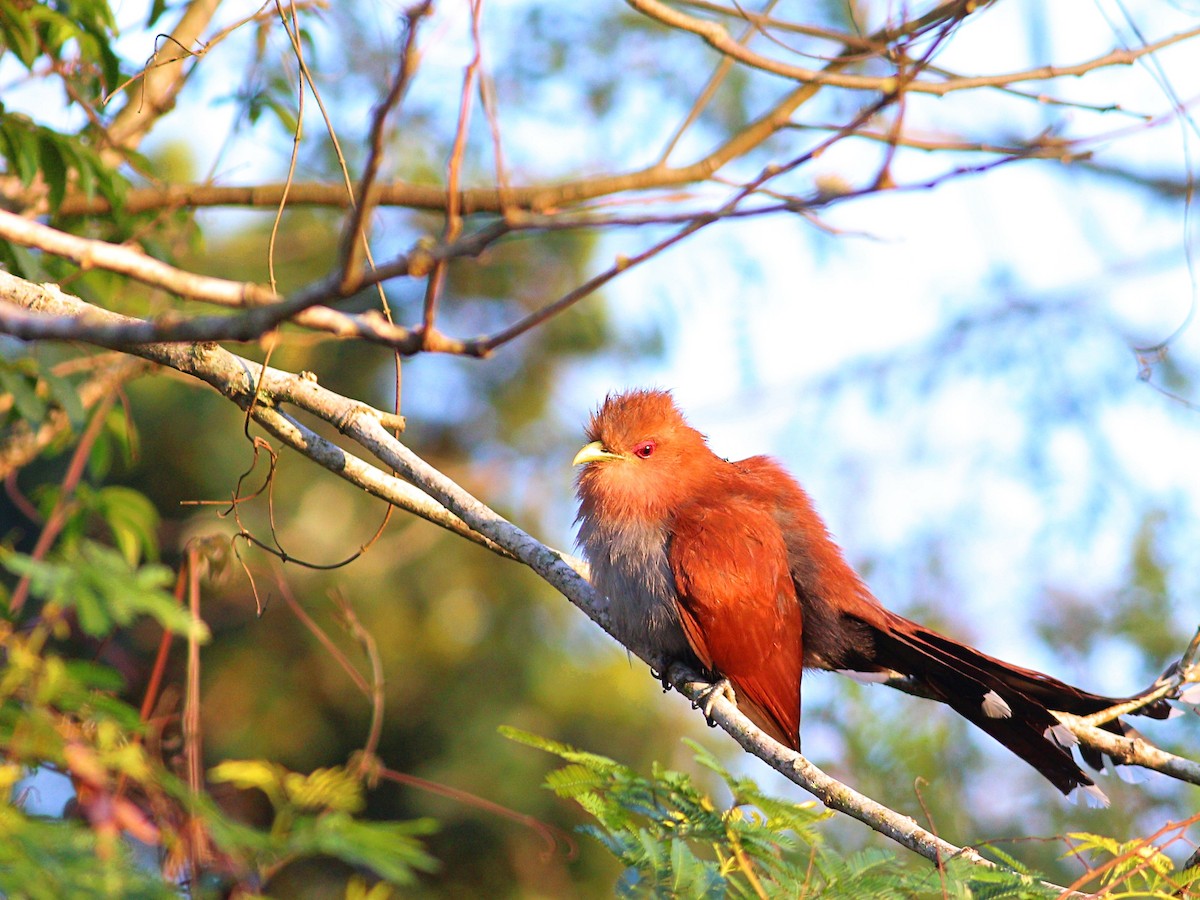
(727, 568)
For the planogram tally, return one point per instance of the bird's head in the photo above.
(642, 459)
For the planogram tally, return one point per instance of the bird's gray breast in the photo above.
(630, 567)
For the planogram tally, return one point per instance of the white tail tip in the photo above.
(1129, 775)
(994, 706)
(1190, 695)
(1090, 794)
(1061, 735)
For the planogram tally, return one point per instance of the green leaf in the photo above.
(533, 740)
(132, 519)
(389, 849)
(18, 384)
(45, 859)
(94, 675)
(157, 8)
(54, 168)
(18, 35)
(571, 781)
(21, 137)
(102, 33)
(332, 789)
(251, 774)
(79, 162)
(100, 457)
(66, 398)
(123, 433)
(564, 750)
(105, 591)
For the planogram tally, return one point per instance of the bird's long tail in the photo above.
(1010, 703)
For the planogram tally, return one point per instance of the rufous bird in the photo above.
(726, 567)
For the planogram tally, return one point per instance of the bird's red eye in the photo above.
(644, 449)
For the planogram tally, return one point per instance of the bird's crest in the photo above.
(624, 419)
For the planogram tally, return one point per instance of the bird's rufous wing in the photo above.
(738, 607)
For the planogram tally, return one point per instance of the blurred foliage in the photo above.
(674, 840)
(35, 152)
(104, 590)
(60, 711)
(74, 33)
(1136, 868)
(47, 859)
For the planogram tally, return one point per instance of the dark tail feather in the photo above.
(1010, 703)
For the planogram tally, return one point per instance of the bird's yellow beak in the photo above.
(593, 452)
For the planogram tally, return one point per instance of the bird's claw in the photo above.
(663, 678)
(706, 698)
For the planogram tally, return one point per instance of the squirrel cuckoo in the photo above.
(726, 567)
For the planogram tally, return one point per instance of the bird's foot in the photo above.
(708, 696)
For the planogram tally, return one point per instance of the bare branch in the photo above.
(719, 39)
(354, 236)
(1132, 751)
(120, 335)
(763, 21)
(269, 310)
(126, 260)
(833, 793)
(710, 89)
(163, 79)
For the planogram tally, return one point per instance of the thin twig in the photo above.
(548, 833)
(324, 639)
(376, 693)
(266, 310)
(192, 734)
(57, 519)
(710, 89)
(437, 277)
(162, 79)
(701, 220)
(365, 200)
